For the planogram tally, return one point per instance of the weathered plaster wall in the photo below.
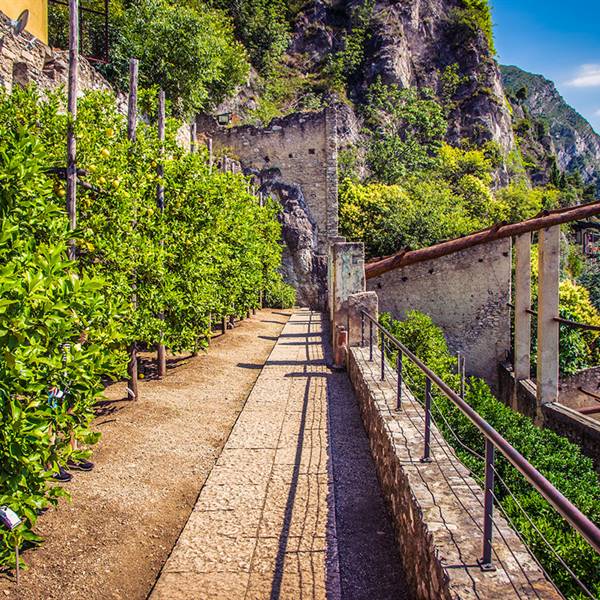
(37, 23)
(436, 507)
(467, 294)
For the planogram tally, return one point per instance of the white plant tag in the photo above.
(9, 517)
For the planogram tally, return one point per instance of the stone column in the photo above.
(331, 166)
(346, 277)
(548, 328)
(357, 303)
(522, 350)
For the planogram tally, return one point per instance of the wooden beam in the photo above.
(497, 232)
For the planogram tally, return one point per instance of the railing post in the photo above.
(463, 376)
(362, 329)
(370, 341)
(382, 356)
(427, 447)
(399, 371)
(488, 521)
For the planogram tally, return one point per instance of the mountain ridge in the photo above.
(548, 128)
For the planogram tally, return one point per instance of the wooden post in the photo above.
(209, 144)
(161, 357)
(548, 328)
(193, 136)
(72, 113)
(132, 370)
(224, 325)
(522, 354)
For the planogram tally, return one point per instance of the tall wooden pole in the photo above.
(209, 144)
(160, 202)
(131, 134)
(193, 136)
(72, 112)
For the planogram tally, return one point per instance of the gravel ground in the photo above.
(154, 456)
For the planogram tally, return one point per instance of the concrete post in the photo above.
(522, 350)
(346, 277)
(548, 328)
(357, 303)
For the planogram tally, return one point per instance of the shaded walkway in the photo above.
(270, 522)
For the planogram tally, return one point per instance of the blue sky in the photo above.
(558, 39)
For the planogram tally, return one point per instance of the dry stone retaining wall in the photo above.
(25, 60)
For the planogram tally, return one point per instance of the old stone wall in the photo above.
(466, 294)
(571, 388)
(25, 59)
(564, 420)
(301, 147)
(295, 159)
(436, 507)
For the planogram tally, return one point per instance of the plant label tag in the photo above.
(9, 517)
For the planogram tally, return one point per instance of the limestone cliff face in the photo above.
(557, 129)
(412, 43)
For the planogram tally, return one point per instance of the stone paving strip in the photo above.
(263, 526)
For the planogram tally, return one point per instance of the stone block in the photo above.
(358, 327)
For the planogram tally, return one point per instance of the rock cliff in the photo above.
(413, 43)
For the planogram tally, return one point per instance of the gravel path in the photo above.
(113, 538)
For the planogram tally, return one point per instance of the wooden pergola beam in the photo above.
(547, 219)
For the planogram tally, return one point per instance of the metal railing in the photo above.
(493, 441)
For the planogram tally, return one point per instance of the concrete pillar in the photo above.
(357, 303)
(522, 350)
(548, 329)
(346, 277)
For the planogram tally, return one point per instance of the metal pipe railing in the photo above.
(494, 441)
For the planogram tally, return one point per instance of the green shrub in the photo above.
(590, 279)
(476, 16)
(190, 53)
(280, 295)
(560, 461)
(409, 128)
(263, 27)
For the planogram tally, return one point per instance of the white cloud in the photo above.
(597, 113)
(588, 76)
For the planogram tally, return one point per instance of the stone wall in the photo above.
(436, 507)
(24, 59)
(466, 294)
(301, 147)
(570, 389)
(564, 420)
(295, 161)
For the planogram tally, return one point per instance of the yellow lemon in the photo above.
(105, 152)
(110, 132)
(102, 180)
